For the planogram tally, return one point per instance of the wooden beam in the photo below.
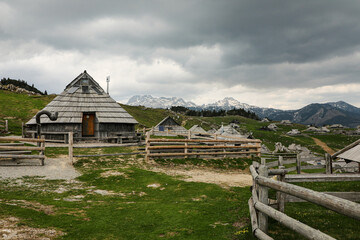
(204, 140)
(263, 198)
(12, 139)
(320, 177)
(292, 223)
(21, 148)
(201, 147)
(336, 204)
(200, 153)
(351, 196)
(22, 156)
(345, 149)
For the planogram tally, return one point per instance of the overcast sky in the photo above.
(281, 54)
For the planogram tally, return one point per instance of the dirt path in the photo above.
(323, 145)
(224, 179)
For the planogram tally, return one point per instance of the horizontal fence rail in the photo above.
(261, 207)
(161, 147)
(12, 149)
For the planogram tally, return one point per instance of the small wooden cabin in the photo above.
(86, 110)
(169, 127)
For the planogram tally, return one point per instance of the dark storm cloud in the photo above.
(261, 43)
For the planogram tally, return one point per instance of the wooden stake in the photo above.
(71, 142)
(263, 198)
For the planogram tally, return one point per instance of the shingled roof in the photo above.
(84, 94)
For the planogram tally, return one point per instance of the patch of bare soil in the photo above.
(47, 209)
(323, 145)
(11, 229)
(224, 178)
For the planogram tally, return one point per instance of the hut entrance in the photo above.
(88, 123)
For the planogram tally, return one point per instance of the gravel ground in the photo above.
(54, 168)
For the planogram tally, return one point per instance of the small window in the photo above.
(85, 82)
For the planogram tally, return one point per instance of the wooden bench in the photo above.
(65, 134)
(18, 151)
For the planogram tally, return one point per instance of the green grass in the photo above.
(175, 210)
(336, 141)
(19, 108)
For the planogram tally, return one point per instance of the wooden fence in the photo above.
(170, 148)
(261, 207)
(11, 149)
(4, 126)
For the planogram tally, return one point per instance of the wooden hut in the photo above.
(86, 110)
(169, 127)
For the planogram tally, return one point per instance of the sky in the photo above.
(283, 54)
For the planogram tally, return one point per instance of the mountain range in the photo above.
(317, 114)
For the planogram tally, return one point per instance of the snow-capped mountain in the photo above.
(161, 102)
(228, 103)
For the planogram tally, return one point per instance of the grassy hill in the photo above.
(19, 108)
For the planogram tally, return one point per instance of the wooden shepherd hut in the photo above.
(169, 127)
(86, 110)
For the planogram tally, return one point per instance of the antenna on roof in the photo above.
(107, 82)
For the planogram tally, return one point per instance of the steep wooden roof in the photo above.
(84, 94)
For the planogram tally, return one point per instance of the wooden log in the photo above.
(22, 156)
(253, 215)
(42, 152)
(281, 171)
(281, 197)
(202, 147)
(71, 149)
(345, 149)
(11, 144)
(147, 145)
(111, 154)
(253, 172)
(21, 148)
(336, 204)
(298, 164)
(200, 153)
(15, 152)
(328, 163)
(263, 198)
(261, 235)
(204, 140)
(351, 196)
(320, 177)
(12, 139)
(280, 161)
(292, 223)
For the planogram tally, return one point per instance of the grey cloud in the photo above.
(263, 44)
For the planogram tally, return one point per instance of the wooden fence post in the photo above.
(189, 134)
(279, 195)
(6, 126)
(22, 130)
(147, 145)
(263, 198)
(71, 142)
(280, 161)
(42, 152)
(328, 163)
(298, 163)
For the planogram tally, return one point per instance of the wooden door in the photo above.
(88, 124)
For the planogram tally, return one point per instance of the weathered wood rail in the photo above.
(11, 150)
(261, 207)
(208, 148)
